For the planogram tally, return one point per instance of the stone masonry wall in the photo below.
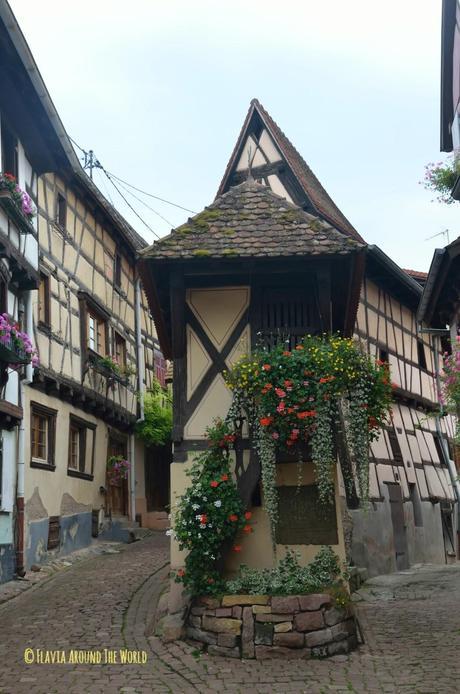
(261, 626)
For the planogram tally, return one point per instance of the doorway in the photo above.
(158, 461)
(117, 491)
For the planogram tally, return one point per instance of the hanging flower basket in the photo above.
(117, 469)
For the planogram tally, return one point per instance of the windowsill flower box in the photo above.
(17, 203)
(15, 346)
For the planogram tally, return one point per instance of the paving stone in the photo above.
(222, 625)
(264, 634)
(292, 640)
(285, 604)
(308, 621)
(315, 601)
(335, 615)
(274, 617)
(318, 638)
(228, 652)
(230, 600)
(271, 652)
(247, 634)
(227, 640)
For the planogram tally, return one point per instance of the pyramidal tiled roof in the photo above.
(251, 221)
(320, 199)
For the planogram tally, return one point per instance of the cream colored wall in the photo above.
(53, 484)
(219, 311)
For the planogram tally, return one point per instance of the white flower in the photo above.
(218, 503)
(195, 507)
(169, 533)
(205, 498)
(198, 516)
(202, 526)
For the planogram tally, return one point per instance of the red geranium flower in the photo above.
(266, 421)
(266, 367)
(247, 529)
(288, 383)
(214, 484)
(233, 517)
(286, 354)
(224, 478)
(181, 573)
(237, 548)
(304, 415)
(280, 392)
(248, 515)
(299, 347)
(203, 519)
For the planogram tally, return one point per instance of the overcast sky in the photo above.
(160, 90)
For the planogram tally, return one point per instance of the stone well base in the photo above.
(262, 626)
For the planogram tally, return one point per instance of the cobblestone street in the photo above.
(410, 622)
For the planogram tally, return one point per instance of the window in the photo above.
(160, 367)
(44, 300)
(61, 211)
(54, 532)
(9, 151)
(117, 270)
(395, 447)
(42, 436)
(119, 349)
(97, 332)
(421, 355)
(383, 355)
(82, 439)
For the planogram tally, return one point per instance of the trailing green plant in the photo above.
(292, 397)
(155, 429)
(209, 515)
(289, 577)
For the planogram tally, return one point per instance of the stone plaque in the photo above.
(303, 520)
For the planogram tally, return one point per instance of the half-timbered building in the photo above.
(87, 313)
(226, 282)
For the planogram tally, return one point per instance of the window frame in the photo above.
(39, 410)
(60, 216)
(117, 270)
(84, 471)
(93, 314)
(119, 340)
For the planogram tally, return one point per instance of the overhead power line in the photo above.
(151, 195)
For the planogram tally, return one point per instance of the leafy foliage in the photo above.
(292, 397)
(289, 577)
(155, 429)
(209, 515)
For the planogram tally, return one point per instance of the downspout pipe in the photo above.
(450, 463)
(20, 486)
(140, 389)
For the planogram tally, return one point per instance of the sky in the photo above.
(159, 90)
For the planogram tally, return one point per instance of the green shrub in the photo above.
(289, 577)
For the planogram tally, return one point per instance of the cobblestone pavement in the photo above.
(410, 621)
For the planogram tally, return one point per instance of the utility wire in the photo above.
(130, 206)
(121, 194)
(144, 192)
(141, 201)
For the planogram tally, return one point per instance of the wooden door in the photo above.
(117, 492)
(399, 527)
